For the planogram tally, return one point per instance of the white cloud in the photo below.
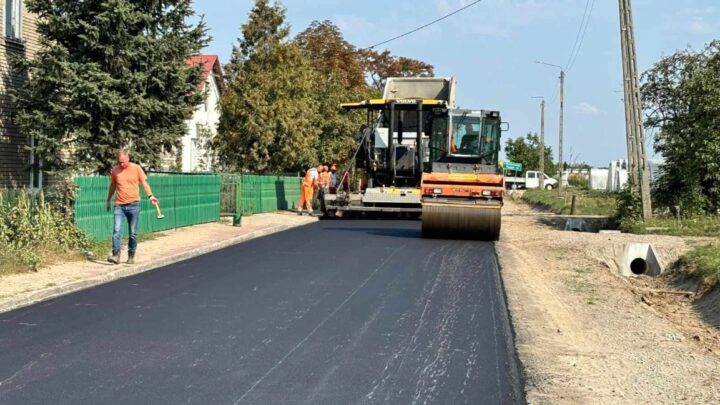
(699, 21)
(589, 109)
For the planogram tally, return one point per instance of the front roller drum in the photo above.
(455, 221)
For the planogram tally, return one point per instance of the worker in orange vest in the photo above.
(307, 187)
(323, 186)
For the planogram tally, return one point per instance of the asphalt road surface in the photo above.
(338, 312)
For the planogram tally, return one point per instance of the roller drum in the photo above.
(455, 221)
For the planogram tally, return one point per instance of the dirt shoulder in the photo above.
(586, 335)
(21, 289)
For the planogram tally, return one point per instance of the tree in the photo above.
(381, 65)
(110, 74)
(268, 112)
(526, 151)
(682, 93)
(340, 78)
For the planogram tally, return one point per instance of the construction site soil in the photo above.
(585, 334)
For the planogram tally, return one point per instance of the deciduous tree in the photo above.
(268, 114)
(682, 94)
(526, 151)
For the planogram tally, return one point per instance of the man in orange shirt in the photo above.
(124, 181)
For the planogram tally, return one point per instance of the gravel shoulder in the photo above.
(586, 335)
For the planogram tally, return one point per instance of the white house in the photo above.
(203, 125)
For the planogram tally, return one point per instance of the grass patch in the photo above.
(704, 262)
(701, 226)
(587, 202)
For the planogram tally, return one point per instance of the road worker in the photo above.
(333, 178)
(323, 186)
(307, 188)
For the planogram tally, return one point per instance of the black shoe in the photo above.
(114, 259)
(131, 258)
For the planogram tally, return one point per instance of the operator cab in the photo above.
(465, 141)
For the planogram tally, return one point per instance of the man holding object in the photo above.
(124, 181)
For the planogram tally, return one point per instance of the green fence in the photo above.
(269, 193)
(187, 200)
(184, 199)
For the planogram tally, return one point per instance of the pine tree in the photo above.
(268, 114)
(111, 74)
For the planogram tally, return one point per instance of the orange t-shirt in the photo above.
(127, 183)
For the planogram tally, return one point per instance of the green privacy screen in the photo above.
(269, 193)
(186, 200)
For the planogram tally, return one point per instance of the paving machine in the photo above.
(418, 154)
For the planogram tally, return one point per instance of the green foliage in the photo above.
(683, 93)
(629, 208)
(708, 225)
(526, 151)
(704, 262)
(587, 202)
(578, 182)
(381, 65)
(268, 114)
(32, 230)
(110, 74)
(340, 78)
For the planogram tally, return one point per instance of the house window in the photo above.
(13, 19)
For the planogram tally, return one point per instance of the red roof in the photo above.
(211, 63)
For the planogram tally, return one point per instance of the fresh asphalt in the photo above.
(337, 312)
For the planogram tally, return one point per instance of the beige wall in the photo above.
(14, 159)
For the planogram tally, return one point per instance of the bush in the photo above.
(33, 230)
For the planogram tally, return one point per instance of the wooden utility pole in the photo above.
(542, 144)
(637, 158)
(562, 106)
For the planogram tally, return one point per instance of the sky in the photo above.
(491, 49)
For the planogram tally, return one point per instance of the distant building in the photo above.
(202, 127)
(18, 167)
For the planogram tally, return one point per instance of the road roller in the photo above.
(420, 155)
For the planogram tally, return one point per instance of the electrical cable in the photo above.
(426, 25)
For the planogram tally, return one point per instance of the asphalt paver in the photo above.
(337, 312)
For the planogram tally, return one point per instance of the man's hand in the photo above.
(154, 201)
(107, 205)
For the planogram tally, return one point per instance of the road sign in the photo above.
(517, 167)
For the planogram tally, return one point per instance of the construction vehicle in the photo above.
(419, 154)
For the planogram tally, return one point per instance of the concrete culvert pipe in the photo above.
(639, 259)
(639, 266)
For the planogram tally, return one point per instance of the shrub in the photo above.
(33, 230)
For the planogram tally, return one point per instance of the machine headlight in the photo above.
(487, 193)
(437, 191)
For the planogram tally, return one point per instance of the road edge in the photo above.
(46, 294)
(517, 368)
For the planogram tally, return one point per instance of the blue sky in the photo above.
(491, 48)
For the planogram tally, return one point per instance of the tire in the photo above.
(549, 187)
(514, 186)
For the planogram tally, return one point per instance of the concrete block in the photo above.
(639, 259)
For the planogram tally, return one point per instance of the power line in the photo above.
(582, 37)
(577, 36)
(426, 25)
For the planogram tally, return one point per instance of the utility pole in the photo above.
(562, 109)
(560, 135)
(637, 158)
(541, 148)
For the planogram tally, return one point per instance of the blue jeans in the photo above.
(132, 213)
